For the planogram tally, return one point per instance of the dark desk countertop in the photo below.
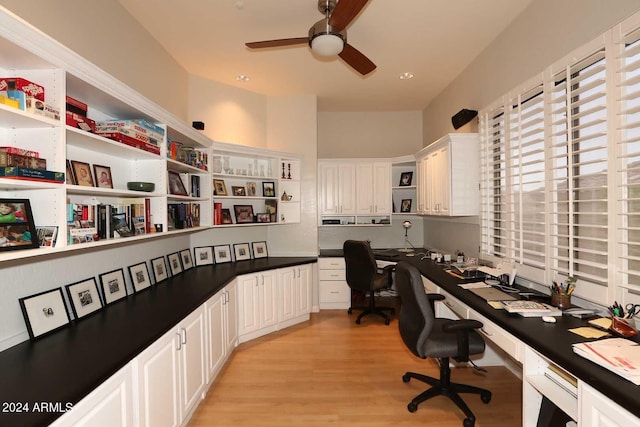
(552, 340)
(68, 364)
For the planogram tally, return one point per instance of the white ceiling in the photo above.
(433, 39)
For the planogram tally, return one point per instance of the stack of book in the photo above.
(531, 308)
(87, 223)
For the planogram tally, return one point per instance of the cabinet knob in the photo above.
(178, 342)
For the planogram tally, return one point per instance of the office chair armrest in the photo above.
(461, 328)
(433, 298)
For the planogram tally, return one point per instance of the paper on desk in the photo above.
(589, 332)
(474, 285)
(496, 304)
(618, 355)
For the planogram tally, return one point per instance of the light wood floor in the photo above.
(330, 371)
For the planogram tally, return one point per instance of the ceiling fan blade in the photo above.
(357, 60)
(278, 43)
(344, 13)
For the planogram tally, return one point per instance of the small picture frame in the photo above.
(176, 186)
(271, 207)
(139, 276)
(47, 235)
(244, 214)
(187, 261)
(405, 179)
(44, 312)
(238, 191)
(174, 263)
(82, 173)
(241, 251)
(263, 217)
(17, 229)
(251, 189)
(259, 250)
(84, 297)
(219, 187)
(268, 189)
(113, 286)
(226, 216)
(203, 255)
(70, 177)
(159, 269)
(222, 254)
(405, 206)
(103, 176)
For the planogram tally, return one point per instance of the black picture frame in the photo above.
(268, 189)
(139, 276)
(176, 186)
(17, 228)
(405, 205)
(84, 297)
(44, 312)
(226, 216)
(113, 286)
(103, 176)
(70, 178)
(259, 250)
(203, 255)
(82, 173)
(263, 217)
(238, 191)
(159, 267)
(244, 214)
(175, 264)
(222, 253)
(187, 260)
(241, 251)
(405, 179)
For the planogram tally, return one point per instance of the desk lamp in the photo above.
(407, 226)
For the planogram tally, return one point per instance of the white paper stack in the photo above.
(618, 355)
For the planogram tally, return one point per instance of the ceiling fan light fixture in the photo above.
(327, 44)
(406, 76)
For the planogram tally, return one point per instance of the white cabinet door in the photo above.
(421, 185)
(249, 304)
(303, 288)
(192, 361)
(268, 298)
(216, 339)
(231, 308)
(365, 186)
(596, 410)
(381, 192)
(346, 188)
(287, 279)
(328, 191)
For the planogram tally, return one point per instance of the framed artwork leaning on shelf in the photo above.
(47, 235)
(17, 230)
(241, 251)
(139, 276)
(259, 250)
(176, 186)
(244, 214)
(187, 261)
(219, 187)
(405, 179)
(226, 216)
(70, 177)
(44, 312)
(103, 176)
(203, 255)
(159, 269)
(174, 263)
(84, 297)
(268, 189)
(238, 191)
(222, 253)
(405, 206)
(82, 173)
(113, 286)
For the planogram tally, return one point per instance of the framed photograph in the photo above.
(203, 255)
(187, 261)
(238, 191)
(263, 217)
(82, 173)
(271, 207)
(139, 276)
(44, 312)
(244, 213)
(84, 297)
(17, 230)
(113, 286)
(406, 205)
(268, 189)
(174, 263)
(159, 269)
(70, 178)
(251, 189)
(220, 188)
(103, 176)
(226, 216)
(241, 251)
(47, 235)
(176, 186)
(405, 179)
(259, 250)
(222, 253)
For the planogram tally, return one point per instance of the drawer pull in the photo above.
(484, 331)
(334, 292)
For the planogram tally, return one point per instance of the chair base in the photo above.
(372, 309)
(444, 387)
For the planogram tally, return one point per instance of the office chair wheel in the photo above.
(412, 407)
(357, 321)
(486, 397)
(468, 422)
(406, 378)
(349, 311)
(386, 321)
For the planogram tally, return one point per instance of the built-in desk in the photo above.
(548, 341)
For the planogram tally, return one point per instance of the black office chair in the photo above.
(363, 276)
(428, 336)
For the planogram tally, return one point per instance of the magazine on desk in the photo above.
(531, 308)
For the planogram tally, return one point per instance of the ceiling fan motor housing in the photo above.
(321, 28)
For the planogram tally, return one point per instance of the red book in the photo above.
(147, 214)
(217, 213)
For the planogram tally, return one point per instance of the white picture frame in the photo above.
(139, 276)
(222, 253)
(241, 251)
(259, 250)
(159, 267)
(44, 312)
(84, 297)
(113, 286)
(203, 255)
(174, 263)
(187, 261)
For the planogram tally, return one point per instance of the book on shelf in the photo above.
(31, 174)
(183, 215)
(526, 308)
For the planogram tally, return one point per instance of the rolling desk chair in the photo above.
(428, 336)
(363, 276)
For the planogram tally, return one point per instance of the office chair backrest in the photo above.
(416, 316)
(360, 263)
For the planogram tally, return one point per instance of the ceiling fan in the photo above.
(328, 36)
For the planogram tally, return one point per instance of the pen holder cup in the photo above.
(562, 301)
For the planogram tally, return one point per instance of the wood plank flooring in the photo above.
(331, 372)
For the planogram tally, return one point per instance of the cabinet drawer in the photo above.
(331, 264)
(429, 286)
(332, 274)
(334, 291)
(499, 336)
(456, 306)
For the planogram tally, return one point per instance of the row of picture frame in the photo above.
(268, 189)
(46, 312)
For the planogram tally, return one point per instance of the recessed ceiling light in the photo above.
(242, 78)
(406, 76)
